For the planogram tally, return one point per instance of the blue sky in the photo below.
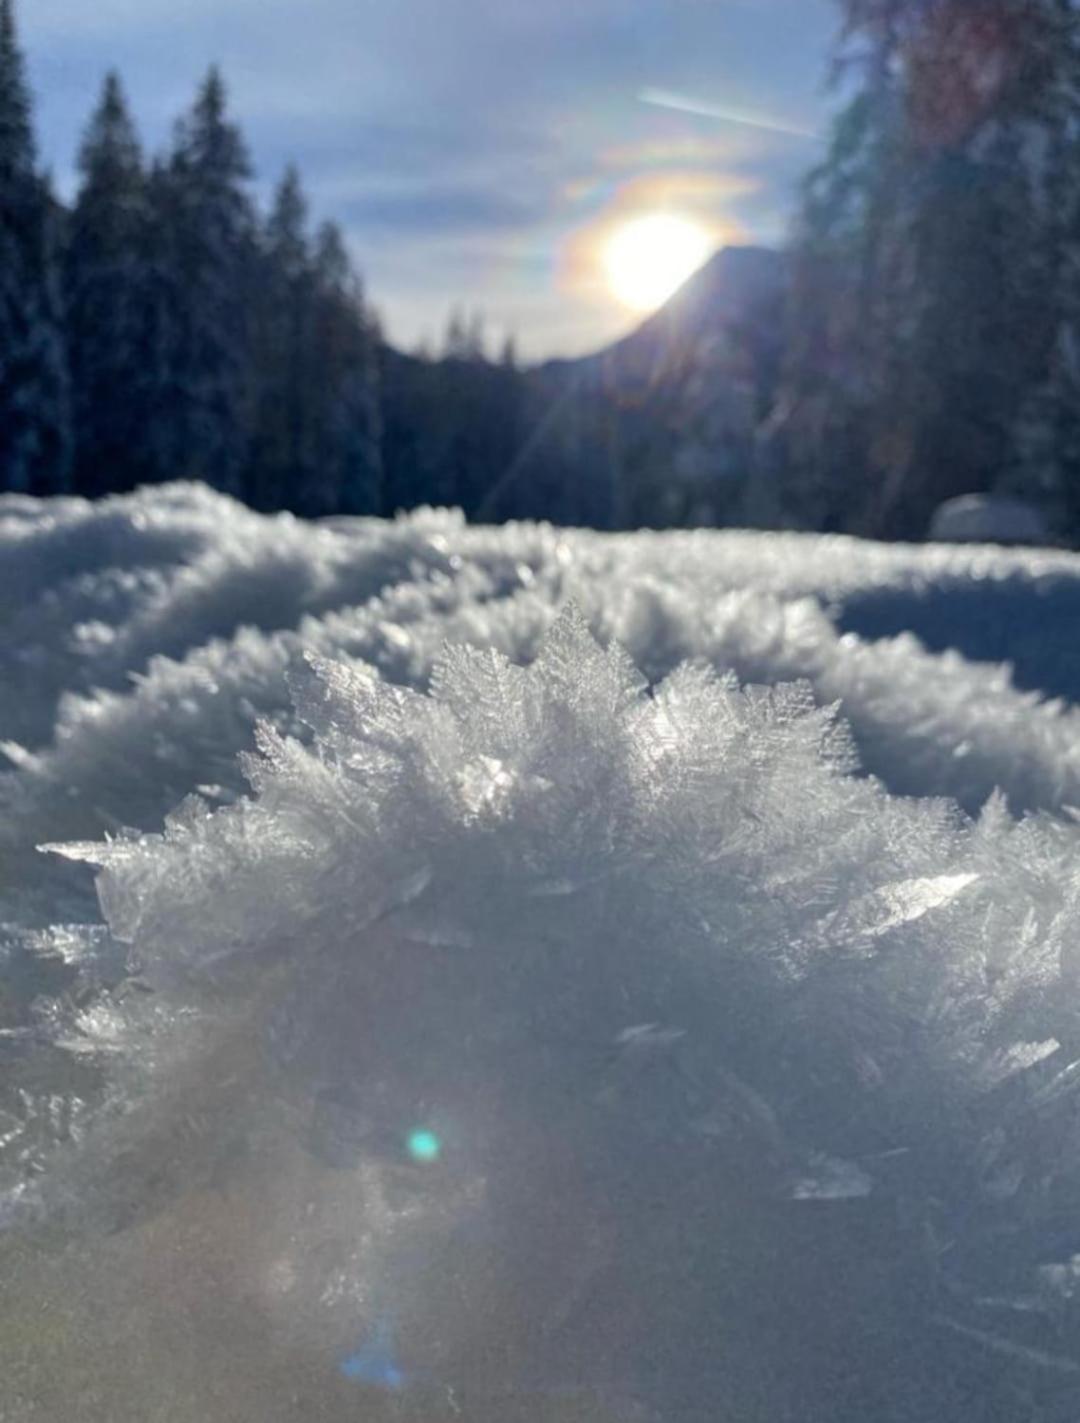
(478, 152)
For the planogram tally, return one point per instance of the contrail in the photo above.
(665, 99)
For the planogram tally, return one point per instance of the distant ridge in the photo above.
(660, 427)
(733, 286)
(657, 428)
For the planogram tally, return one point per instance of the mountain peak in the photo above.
(731, 282)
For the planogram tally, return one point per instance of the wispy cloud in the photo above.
(681, 103)
(445, 209)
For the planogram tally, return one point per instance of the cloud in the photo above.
(54, 21)
(439, 210)
(437, 129)
(362, 146)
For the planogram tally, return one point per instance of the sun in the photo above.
(649, 258)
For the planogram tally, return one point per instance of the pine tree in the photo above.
(163, 430)
(924, 291)
(814, 440)
(114, 358)
(1047, 435)
(282, 467)
(984, 113)
(205, 227)
(35, 443)
(456, 341)
(508, 354)
(347, 441)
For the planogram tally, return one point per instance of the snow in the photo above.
(520, 958)
(988, 518)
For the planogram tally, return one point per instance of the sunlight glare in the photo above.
(649, 258)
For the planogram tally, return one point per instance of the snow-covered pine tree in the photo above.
(35, 438)
(206, 233)
(115, 359)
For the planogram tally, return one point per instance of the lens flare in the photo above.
(374, 1362)
(648, 258)
(424, 1146)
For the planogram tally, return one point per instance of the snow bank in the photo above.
(926, 724)
(98, 589)
(515, 994)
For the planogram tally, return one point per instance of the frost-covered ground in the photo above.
(538, 974)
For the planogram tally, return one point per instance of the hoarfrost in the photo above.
(524, 930)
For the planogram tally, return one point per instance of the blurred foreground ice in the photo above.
(511, 997)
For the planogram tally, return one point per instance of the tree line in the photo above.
(920, 340)
(160, 328)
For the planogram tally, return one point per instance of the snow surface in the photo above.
(533, 973)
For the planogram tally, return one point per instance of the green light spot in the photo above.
(424, 1146)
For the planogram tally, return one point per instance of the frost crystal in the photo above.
(567, 852)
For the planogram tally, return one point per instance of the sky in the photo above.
(478, 153)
